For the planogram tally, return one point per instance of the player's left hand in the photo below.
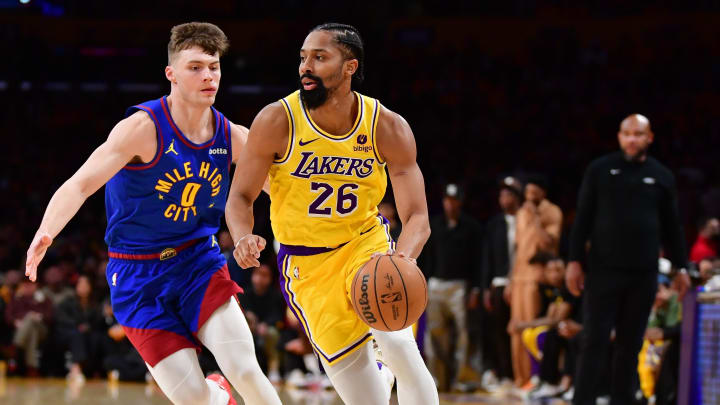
(247, 250)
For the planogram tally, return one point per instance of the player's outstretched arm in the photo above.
(396, 145)
(133, 136)
(266, 140)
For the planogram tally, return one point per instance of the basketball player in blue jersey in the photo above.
(165, 168)
(326, 149)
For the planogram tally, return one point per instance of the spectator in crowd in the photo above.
(707, 269)
(264, 308)
(77, 323)
(539, 223)
(705, 245)
(55, 288)
(120, 360)
(663, 331)
(30, 312)
(8, 284)
(451, 262)
(498, 257)
(570, 330)
(540, 335)
(295, 346)
(5, 329)
(627, 209)
(100, 287)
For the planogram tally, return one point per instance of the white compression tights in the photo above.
(227, 335)
(181, 379)
(357, 379)
(415, 385)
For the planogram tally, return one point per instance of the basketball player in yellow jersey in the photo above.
(326, 149)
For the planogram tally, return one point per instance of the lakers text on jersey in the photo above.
(326, 188)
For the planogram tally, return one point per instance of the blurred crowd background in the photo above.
(491, 90)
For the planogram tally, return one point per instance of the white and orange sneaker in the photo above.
(224, 385)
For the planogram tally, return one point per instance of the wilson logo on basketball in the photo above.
(392, 297)
(389, 293)
(364, 301)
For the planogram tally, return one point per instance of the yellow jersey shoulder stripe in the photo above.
(376, 115)
(291, 138)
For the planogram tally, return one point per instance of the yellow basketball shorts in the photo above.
(316, 283)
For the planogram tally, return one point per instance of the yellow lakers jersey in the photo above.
(326, 188)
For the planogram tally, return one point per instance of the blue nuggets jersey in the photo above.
(180, 195)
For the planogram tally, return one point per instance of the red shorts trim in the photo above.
(219, 289)
(156, 344)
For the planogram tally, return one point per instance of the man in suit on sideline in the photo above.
(498, 258)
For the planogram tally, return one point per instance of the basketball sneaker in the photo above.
(224, 385)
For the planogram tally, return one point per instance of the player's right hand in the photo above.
(575, 278)
(247, 251)
(41, 242)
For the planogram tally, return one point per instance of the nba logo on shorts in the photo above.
(296, 273)
(361, 139)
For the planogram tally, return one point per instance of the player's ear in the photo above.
(170, 74)
(351, 66)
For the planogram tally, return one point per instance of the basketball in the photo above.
(389, 293)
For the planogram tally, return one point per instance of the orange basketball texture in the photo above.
(389, 293)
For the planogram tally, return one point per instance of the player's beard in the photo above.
(316, 97)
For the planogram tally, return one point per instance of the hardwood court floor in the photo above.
(18, 391)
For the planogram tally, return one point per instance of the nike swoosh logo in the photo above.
(301, 143)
